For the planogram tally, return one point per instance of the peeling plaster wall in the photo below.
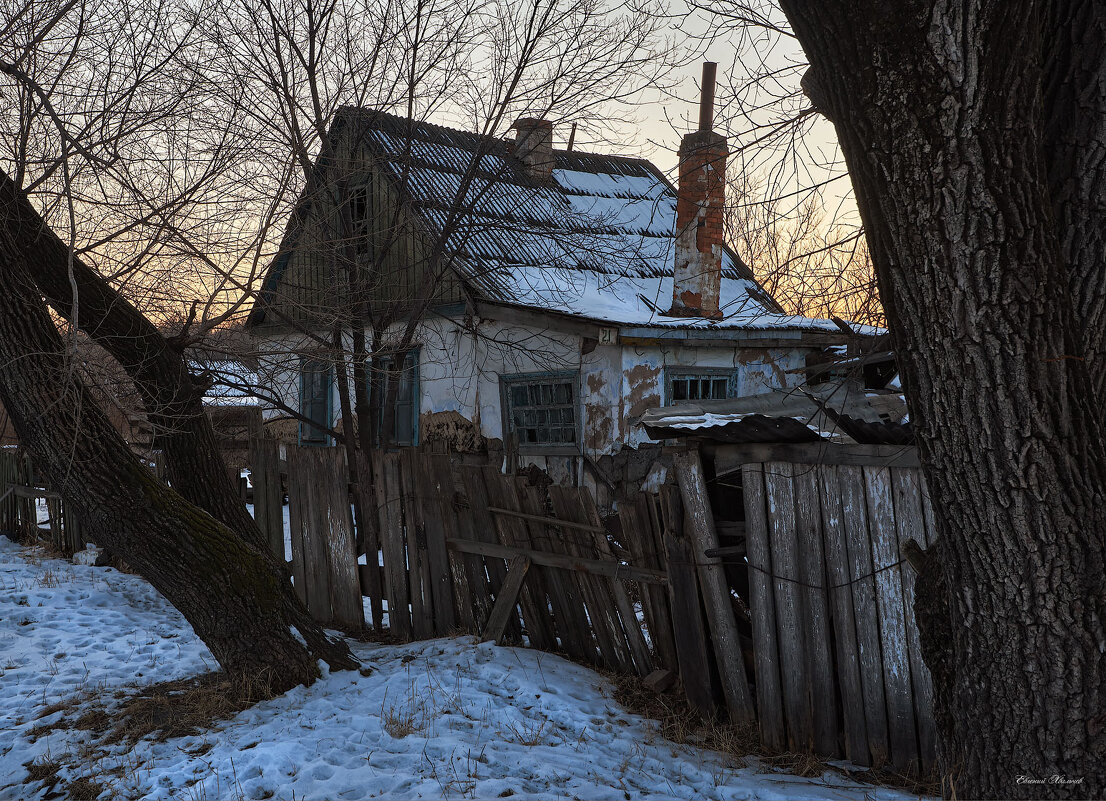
(643, 384)
(460, 372)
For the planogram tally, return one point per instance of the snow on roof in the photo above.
(597, 241)
(232, 382)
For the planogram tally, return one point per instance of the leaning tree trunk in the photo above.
(939, 111)
(231, 592)
(172, 396)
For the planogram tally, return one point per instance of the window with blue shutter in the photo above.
(316, 380)
(407, 399)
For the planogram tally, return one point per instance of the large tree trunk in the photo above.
(172, 396)
(939, 111)
(233, 593)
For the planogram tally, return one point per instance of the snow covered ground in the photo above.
(444, 718)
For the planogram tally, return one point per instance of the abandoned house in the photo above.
(538, 297)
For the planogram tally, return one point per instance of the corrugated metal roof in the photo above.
(596, 241)
(836, 412)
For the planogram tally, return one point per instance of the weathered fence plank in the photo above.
(691, 636)
(389, 501)
(790, 607)
(570, 620)
(763, 608)
(818, 646)
(299, 516)
(512, 531)
(308, 504)
(338, 538)
(418, 558)
(506, 600)
(268, 492)
(854, 515)
(892, 624)
(716, 590)
(910, 524)
(432, 490)
(844, 624)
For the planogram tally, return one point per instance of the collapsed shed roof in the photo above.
(835, 412)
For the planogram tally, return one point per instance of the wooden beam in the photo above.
(595, 567)
(549, 521)
(506, 600)
(729, 458)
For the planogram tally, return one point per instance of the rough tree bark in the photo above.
(232, 593)
(975, 154)
(173, 397)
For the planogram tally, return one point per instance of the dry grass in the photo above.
(84, 789)
(163, 711)
(680, 724)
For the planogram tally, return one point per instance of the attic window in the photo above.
(360, 212)
(540, 409)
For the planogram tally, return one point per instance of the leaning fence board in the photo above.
(639, 649)
(512, 532)
(892, 624)
(299, 516)
(483, 529)
(910, 525)
(506, 600)
(819, 653)
(570, 620)
(854, 515)
(716, 590)
(597, 598)
(844, 625)
(763, 608)
(790, 609)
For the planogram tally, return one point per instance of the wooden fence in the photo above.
(19, 493)
(837, 658)
(450, 547)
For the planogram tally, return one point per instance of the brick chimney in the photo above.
(697, 276)
(534, 147)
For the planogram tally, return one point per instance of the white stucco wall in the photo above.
(460, 369)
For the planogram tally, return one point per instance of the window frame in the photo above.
(680, 372)
(325, 439)
(414, 353)
(572, 377)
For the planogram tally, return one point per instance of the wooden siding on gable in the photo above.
(308, 291)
